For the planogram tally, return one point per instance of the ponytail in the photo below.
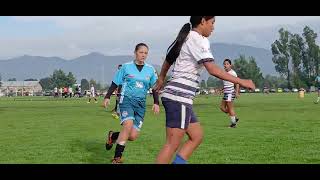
(174, 49)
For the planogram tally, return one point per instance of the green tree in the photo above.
(59, 78)
(281, 55)
(248, 69)
(99, 87)
(71, 80)
(0, 80)
(311, 62)
(203, 84)
(47, 83)
(214, 82)
(84, 85)
(274, 82)
(31, 79)
(298, 54)
(12, 79)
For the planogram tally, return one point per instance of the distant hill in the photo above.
(94, 65)
(102, 68)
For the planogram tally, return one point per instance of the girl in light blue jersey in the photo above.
(136, 78)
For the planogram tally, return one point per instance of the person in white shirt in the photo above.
(60, 92)
(189, 54)
(92, 94)
(230, 91)
(55, 90)
(70, 91)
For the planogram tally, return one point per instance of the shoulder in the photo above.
(196, 38)
(149, 66)
(233, 72)
(125, 65)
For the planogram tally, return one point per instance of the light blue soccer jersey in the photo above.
(135, 83)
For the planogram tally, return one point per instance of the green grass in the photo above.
(273, 129)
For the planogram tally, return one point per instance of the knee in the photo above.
(173, 146)
(128, 125)
(223, 109)
(133, 137)
(197, 138)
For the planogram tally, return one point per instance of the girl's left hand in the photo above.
(156, 108)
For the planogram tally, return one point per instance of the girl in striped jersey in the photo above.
(231, 91)
(190, 53)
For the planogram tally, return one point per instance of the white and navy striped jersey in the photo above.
(185, 80)
(228, 87)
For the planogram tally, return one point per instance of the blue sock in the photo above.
(179, 160)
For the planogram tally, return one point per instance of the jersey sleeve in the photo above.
(154, 77)
(234, 74)
(119, 76)
(200, 49)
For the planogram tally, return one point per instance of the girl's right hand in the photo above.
(247, 83)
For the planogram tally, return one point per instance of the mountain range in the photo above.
(100, 67)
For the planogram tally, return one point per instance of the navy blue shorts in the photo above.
(178, 115)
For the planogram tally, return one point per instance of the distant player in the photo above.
(92, 94)
(317, 83)
(116, 110)
(55, 90)
(65, 92)
(60, 92)
(70, 92)
(230, 91)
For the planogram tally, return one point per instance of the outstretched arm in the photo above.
(214, 70)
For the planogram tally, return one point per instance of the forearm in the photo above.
(214, 70)
(237, 88)
(155, 97)
(112, 88)
(164, 70)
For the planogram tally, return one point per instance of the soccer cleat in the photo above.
(109, 142)
(117, 160)
(233, 126)
(115, 115)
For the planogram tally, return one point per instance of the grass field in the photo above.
(273, 129)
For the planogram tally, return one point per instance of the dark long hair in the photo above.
(175, 48)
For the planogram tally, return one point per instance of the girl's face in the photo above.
(208, 26)
(141, 54)
(227, 66)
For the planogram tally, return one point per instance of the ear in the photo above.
(203, 21)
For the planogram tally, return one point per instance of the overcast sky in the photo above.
(70, 37)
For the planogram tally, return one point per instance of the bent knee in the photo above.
(133, 137)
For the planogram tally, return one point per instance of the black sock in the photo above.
(116, 107)
(115, 136)
(119, 151)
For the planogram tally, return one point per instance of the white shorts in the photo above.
(229, 97)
